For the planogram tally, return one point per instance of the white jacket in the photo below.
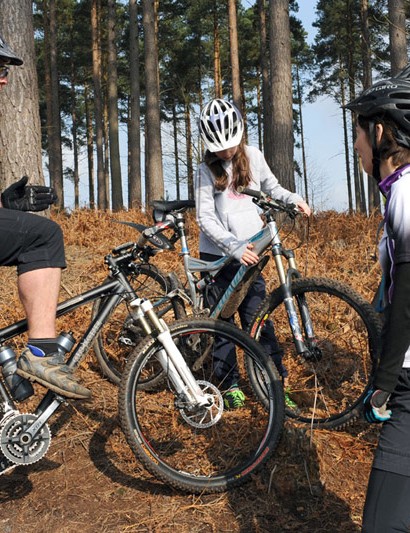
(227, 219)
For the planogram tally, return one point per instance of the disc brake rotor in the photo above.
(208, 415)
(18, 445)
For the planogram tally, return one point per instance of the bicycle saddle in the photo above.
(174, 205)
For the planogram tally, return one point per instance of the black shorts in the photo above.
(30, 241)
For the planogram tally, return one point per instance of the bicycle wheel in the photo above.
(328, 388)
(206, 449)
(120, 334)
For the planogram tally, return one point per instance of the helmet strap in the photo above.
(375, 151)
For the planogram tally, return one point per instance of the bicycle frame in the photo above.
(265, 239)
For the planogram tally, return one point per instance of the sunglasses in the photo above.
(4, 72)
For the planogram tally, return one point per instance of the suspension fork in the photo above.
(293, 272)
(307, 345)
(170, 358)
(285, 280)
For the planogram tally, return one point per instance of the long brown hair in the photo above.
(241, 172)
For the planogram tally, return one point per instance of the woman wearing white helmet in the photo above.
(227, 220)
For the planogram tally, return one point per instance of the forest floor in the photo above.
(89, 480)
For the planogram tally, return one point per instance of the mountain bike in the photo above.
(329, 334)
(180, 429)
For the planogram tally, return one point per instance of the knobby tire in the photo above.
(328, 392)
(201, 459)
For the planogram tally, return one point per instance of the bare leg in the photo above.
(38, 291)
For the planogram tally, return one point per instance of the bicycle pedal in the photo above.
(127, 341)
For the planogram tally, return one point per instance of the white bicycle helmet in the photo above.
(220, 125)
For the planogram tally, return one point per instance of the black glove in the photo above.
(24, 197)
(375, 406)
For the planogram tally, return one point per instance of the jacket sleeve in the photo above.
(396, 333)
(270, 184)
(208, 220)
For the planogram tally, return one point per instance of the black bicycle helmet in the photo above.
(386, 99)
(7, 53)
(390, 99)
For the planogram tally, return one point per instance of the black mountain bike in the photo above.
(179, 429)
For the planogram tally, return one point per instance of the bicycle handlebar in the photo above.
(266, 202)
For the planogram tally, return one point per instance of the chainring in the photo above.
(17, 445)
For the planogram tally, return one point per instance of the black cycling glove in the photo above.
(23, 197)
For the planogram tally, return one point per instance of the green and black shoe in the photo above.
(234, 398)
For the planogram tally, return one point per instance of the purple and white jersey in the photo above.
(394, 246)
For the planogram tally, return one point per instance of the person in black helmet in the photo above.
(35, 245)
(383, 143)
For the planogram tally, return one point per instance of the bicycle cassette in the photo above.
(18, 445)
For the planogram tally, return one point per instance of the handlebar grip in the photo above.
(250, 192)
(263, 200)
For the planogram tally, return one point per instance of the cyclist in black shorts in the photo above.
(35, 245)
(383, 143)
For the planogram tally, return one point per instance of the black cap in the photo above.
(7, 53)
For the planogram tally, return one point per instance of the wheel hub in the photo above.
(205, 416)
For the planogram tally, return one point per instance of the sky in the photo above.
(323, 130)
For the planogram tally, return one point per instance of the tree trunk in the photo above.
(302, 135)
(115, 162)
(188, 132)
(55, 140)
(266, 103)
(259, 113)
(20, 132)
(48, 92)
(281, 160)
(106, 151)
(98, 109)
(346, 143)
(134, 123)
(373, 195)
(351, 72)
(397, 33)
(90, 147)
(76, 175)
(366, 50)
(234, 49)
(176, 151)
(153, 152)
(217, 56)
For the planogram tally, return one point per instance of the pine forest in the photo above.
(132, 76)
